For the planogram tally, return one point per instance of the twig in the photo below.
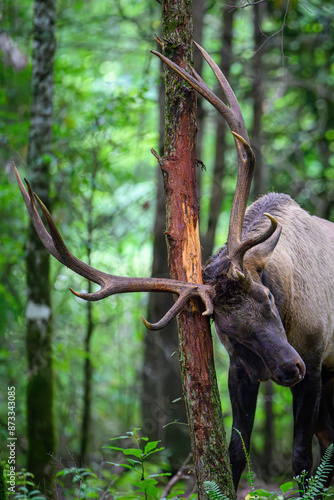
(278, 31)
(178, 476)
(155, 154)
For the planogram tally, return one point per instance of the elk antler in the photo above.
(246, 159)
(109, 283)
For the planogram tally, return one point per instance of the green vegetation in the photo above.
(103, 178)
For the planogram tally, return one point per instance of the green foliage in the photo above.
(309, 487)
(3, 489)
(26, 488)
(147, 485)
(316, 484)
(84, 482)
(105, 118)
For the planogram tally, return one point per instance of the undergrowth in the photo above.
(308, 488)
(140, 479)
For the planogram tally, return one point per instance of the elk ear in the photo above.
(256, 258)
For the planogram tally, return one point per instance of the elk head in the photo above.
(242, 307)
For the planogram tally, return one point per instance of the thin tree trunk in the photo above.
(217, 193)
(41, 437)
(269, 431)
(184, 252)
(90, 325)
(88, 372)
(199, 7)
(259, 180)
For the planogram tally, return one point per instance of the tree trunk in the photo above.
(216, 197)
(41, 438)
(161, 398)
(90, 324)
(259, 180)
(88, 373)
(184, 253)
(269, 429)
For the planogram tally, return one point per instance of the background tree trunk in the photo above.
(39, 315)
(260, 178)
(217, 193)
(184, 253)
(90, 325)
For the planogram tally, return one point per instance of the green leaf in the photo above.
(154, 451)
(133, 451)
(150, 446)
(161, 474)
(263, 493)
(145, 483)
(127, 466)
(286, 486)
(113, 448)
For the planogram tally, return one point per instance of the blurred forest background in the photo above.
(109, 374)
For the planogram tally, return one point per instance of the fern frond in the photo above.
(317, 482)
(250, 473)
(213, 491)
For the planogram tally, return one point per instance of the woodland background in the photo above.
(109, 374)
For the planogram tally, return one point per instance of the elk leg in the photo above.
(324, 428)
(306, 399)
(243, 395)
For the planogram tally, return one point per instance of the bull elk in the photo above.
(270, 291)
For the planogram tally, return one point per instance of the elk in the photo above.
(270, 292)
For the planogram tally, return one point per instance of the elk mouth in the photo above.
(290, 373)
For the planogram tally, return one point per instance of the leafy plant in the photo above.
(80, 478)
(316, 484)
(147, 484)
(26, 488)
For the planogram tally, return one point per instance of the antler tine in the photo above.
(234, 119)
(34, 215)
(109, 283)
(246, 164)
(179, 305)
(240, 252)
(239, 124)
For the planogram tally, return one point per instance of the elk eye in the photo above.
(271, 298)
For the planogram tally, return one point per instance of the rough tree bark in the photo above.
(184, 252)
(41, 438)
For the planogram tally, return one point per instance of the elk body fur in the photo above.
(299, 273)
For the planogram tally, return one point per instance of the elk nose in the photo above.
(292, 372)
(301, 369)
